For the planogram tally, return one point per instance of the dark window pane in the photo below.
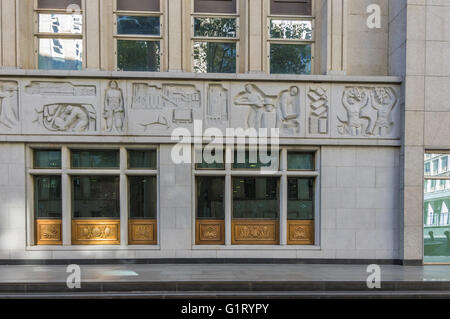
(253, 160)
(138, 5)
(300, 198)
(95, 159)
(47, 197)
(290, 29)
(138, 25)
(142, 197)
(210, 194)
(300, 161)
(142, 159)
(60, 54)
(214, 165)
(215, 27)
(47, 159)
(58, 4)
(138, 55)
(290, 58)
(255, 197)
(215, 6)
(96, 197)
(290, 7)
(214, 57)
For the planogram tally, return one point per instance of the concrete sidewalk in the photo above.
(223, 280)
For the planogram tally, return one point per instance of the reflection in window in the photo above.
(300, 198)
(145, 159)
(96, 197)
(44, 159)
(138, 55)
(255, 198)
(214, 57)
(290, 58)
(60, 54)
(210, 197)
(215, 27)
(47, 196)
(139, 25)
(95, 159)
(290, 29)
(61, 23)
(142, 197)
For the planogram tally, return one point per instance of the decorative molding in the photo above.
(209, 232)
(300, 232)
(48, 232)
(96, 232)
(142, 232)
(255, 232)
(9, 104)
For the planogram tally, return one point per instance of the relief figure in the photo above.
(9, 113)
(114, 111)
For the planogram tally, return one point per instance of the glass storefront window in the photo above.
(145, 159)
(143, 193)
(255, 197)
(254, 160)
(212, 163)
(138, 55)
(210, 197)
(301, 161)
(95, 197)
(300, 198)
(47, 159)
(290, 58)
(214, 57)
(47, 196)
(95, 159)
(138, 25)
(436, 209)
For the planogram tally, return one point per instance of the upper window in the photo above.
(138, 35)
(290, 36)
(215, 31)
(60, 34)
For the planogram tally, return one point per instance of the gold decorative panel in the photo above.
(96, 232)
(255, 232)
(142, 232)
(300, 232)
(210, 232)
(48, 232)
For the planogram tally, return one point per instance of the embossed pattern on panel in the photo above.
(210, 232)
(255, 232)
(142, 232)
(300, 232)
(48, 232)
(95, 232)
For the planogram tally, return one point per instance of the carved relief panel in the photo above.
(9, 107)
(95, 232)
(210, 232)
(48, 232)
(142, 232)
(318, 110)
(255, 232)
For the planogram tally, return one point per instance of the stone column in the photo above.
(255, 27)
(8, 33)
(174, 13)
(26, 50)
(335, 53)
(107, 56)
(92, 34)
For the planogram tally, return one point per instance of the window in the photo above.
(436, 213)
(138, 35)
(105, 190)
(215, 39)
(244, 197)
(59, 35)
(291, 37)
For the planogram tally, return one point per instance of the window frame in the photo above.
(67, 173)
(236, 40)
(282, 174)
(136, 37)
(270, 40)
(45, 35)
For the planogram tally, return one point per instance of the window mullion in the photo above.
(66, 197)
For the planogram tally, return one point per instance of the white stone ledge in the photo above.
(195, 76)
(257, 247)
(93, 248)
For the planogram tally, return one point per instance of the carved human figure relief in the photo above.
(9, 105)
(383, 101)
(114, 110)
(354, 100)
(288, 110)
(66, 117)
(217, 109)
(261, 106)
(319, 108)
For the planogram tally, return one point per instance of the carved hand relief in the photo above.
(67, 117)
(319, 110)
(271, 111)
(60, 89)
(368, 111)
(114, 108)
(9, 104)
(217, 109)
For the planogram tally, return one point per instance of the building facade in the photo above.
(107, 108)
